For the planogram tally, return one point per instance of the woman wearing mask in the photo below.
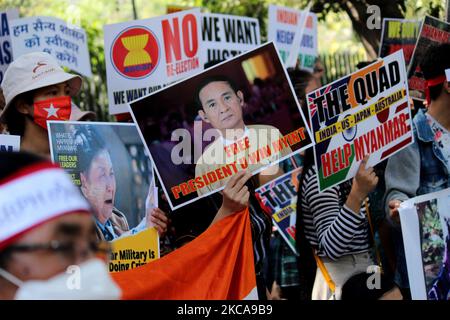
(37, 89)
(43, 231)
(47, 234)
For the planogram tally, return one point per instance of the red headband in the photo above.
(431, 83)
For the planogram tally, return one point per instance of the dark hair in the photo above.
(300, 80)
(10, 163)
(306, 262)
(208, 80)
(89, 145)
(433, 64)
(15, 120)
(356, 287)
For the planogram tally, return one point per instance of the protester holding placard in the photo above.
(328, 225)
(37, 89)
(424, 166)
(98, 185)
(40, 241)
(42, 245)
(336, 226)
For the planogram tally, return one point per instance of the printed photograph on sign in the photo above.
(278, 199)
(364, 113)
(240, 114)
(67, 43)
(399, 34)
(435, 245)
(143, 56)
(226, 36)
(110, 165)
(432, 32)
(426, 235)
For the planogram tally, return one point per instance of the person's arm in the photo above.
(336, 226)
(363, 183)
(402, 177)
(235, 196)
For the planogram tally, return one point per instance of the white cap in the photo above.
(34, 195)
(33, 71)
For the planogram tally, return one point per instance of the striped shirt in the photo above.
(332, 228)
(261, 229)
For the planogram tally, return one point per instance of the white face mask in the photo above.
(88, 281)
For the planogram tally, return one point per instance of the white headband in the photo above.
(37, 194)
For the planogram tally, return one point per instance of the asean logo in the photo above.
(135, 53)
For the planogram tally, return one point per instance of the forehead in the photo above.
(48, 230)
(215, 88)
(58, 85)
(101, 160)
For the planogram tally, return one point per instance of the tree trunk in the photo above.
(357, 12)
(447, 10)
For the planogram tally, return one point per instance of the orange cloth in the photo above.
(217, 265)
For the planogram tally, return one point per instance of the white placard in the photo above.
(9, 143)
(284, 24)
(6, 54)
(143, 56)
(425, 222)
(225, 36)
(66, 43)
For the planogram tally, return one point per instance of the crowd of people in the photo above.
(342, 238)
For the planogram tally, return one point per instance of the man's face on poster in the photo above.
(222, 106)
(99, 185)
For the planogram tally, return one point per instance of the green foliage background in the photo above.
(336, 32)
